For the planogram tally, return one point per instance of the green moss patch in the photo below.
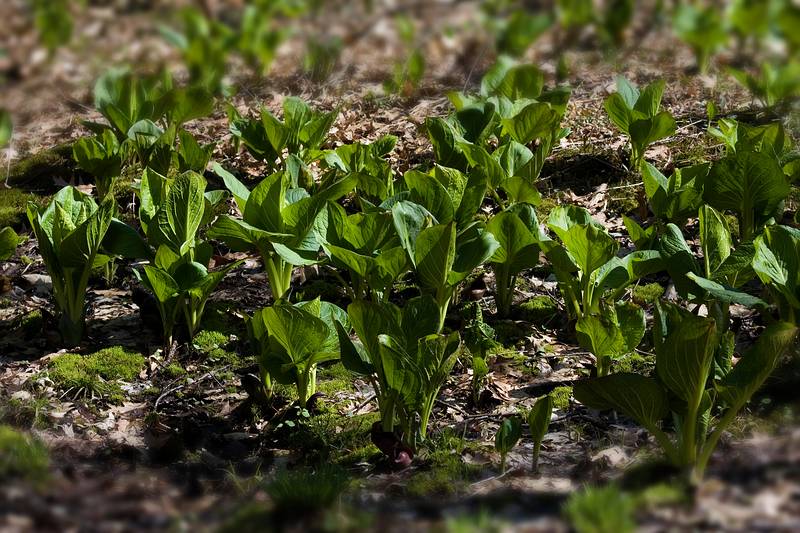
(561, 397)
(96, 374)
(647, 294)
(41, 170)
(13, 206)
(22, 456)
(444, 472)
(539, 310)
(328, 437)
(216, 345)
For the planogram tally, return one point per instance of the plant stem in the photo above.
(711, 443)
(504, 287)
(279, 275)
(443, 297)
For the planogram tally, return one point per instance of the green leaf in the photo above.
(180, 216)
(521, 81)
(679, 260)
(354, 357)
(756, 364)
(409, 220)
(777, 261)
(649, 100)
(646, 131)
(615, 332)
(434, 254)
(748, 183)
(78, 248)
(369, 320)
(638, 397)
(508, 434)
(161, 284)
(124, 241)
(725, 294)
(534, 121)
(684, 345)
(432, 195)
(298, 331)
(518, 248)
(619, 112)
(627, 91)
(539, 421)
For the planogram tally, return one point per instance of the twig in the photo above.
(182, 385)
(360, 407)
(454, 407)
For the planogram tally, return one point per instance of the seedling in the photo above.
(518, 234)
(294, 339)
(506, 438)
(685, 384)
(636, 114)
(539, 421)
(70, 231)
(592, 279)
(407, 362)
(171, 214)
(702, 28)
(278, 221)
(8, 243)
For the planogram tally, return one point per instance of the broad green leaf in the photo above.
(443, 139)
(589, 246)
(434, 254)
(619, 112)
(181, 215)
(649, 100)
(518, 244)
(508, 434)
(679, 260)
(474, 246)
(646, 131)
(432, 195)
(81, 244)
(756, 364)
(124, 241)
(627, 91)
(299, 332)
(725, 294)
(409, 220)
(748, 183)
(534, 121)
(777, 261)
(638, 397)
(369, 320)
(684, 351)
(521, 81)
(161, 284)
(354, 357)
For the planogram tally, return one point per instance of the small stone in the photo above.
(21, 396)
(612, 457)
(40, 283)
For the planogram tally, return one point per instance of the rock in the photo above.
(21, 396)
(40, 283)
(612, 457)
